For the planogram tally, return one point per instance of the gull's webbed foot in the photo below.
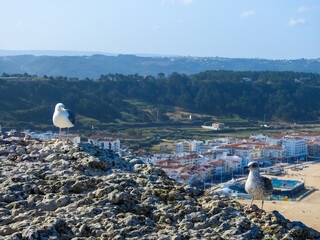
(251, 208)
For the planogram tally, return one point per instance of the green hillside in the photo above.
(28, 101)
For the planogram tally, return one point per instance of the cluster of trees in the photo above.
(286, 96)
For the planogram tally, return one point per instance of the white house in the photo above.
(259, 137)
(215, 126)
(247, 150)
(74, 138)
(183, 147)
(233, 163)
(71, 137)
(105, 142)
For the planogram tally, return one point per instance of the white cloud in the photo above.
(184, 2)
(294, 21)
(247, 14)
(302, 9)
(19, 24)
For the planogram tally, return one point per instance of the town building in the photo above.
(74, 138)
(182, 147)
(295, 147)
(215, 126)
(313, 148)
(248, 150)
(71, 137)
(273, 152)
(105, 142)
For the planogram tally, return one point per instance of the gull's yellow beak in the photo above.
(63, 109)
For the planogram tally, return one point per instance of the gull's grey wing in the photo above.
(71, 116)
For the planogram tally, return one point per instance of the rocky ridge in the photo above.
(56, 190)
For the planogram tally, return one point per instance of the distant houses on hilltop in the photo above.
(215, 126)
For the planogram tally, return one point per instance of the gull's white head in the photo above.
(252, 166)
(60, 107)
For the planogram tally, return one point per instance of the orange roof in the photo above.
(273, 147)
(306, 134)
(184, 177)
(192, 156)
(170, 167)
(243, 145)
(242, 148)
(294, 138)
(207, 154)
(278, 135)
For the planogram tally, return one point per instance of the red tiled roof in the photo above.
(273, 147)
(208, 154)
(294, 138)
(304, 134)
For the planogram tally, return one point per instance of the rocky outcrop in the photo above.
(55, 190)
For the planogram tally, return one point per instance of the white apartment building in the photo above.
(189, 160)
(273, 152)
(249, 151)
(259, 137)
(233, 163)
(182, 147)
(295, 147)
(195, 146)
(178, 147)
(105, 143)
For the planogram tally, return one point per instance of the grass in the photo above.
(179, 127)
(156, 148)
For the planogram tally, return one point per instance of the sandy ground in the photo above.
(306, 210)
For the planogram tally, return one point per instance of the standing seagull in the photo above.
(63, 118)
(257, 186)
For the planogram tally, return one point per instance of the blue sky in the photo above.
(273, 29)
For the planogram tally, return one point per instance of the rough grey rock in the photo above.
(55, 190)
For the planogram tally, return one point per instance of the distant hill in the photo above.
(85, 65)
(28, 101)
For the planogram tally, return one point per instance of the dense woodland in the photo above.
(287, 96)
